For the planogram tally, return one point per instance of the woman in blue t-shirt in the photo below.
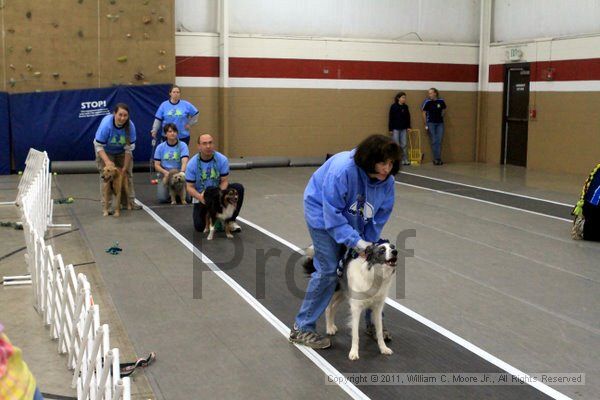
(175, 111)
(114, 144)
(170, 154)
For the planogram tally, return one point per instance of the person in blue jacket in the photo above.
(434, 109)
(170, 154)
(182, 113)
(347, 202)
(114, 144)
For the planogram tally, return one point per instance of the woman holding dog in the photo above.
(114, 144)
(172, 154)
(347, 202)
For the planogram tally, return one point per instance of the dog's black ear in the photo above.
(369, 252)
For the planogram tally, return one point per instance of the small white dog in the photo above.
(365, 283)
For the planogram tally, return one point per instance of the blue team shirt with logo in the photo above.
(177, 114)
(170, 156)
(114, 139)
(205, 174)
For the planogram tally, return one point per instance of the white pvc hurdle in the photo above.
(62, 298)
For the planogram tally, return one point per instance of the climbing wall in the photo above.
(74, 44)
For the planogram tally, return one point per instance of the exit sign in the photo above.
(514, 54)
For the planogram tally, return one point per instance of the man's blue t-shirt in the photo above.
(170, 156)
(177, 114)
(205, 174)
(114, 139)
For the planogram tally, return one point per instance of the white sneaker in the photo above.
(235, 227)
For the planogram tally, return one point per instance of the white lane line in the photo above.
(484, 201)
(487, 189)
(443, 331)
(317, 359)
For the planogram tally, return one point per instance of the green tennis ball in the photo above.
(20, 172)
(54, 173)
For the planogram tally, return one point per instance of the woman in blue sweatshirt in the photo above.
(347, 202)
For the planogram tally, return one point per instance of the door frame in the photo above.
(507, 67)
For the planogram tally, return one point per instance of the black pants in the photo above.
(591, 227)
(200, 209)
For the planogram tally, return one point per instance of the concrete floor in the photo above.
(510, 282)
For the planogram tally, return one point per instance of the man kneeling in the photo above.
(207, 169)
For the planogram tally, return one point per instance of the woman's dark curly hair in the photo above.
(375, 149)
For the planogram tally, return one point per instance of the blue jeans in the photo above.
(436, 134)
(322, 282)
(37, 395)
(399, 137)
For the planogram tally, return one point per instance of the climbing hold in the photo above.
(162, 52)
(11, 66)
(80, 33)
(146, 20)
(64, 82)
(146, 36)
(113, 18)
(28, 67)
(161, 19)
(12, 82)
(37, 74)
(139, 76)
(113, 1)
(146, 2)
(28, 49)
(80, 1)
(55, 74)
(89, 74)
(122, 59)
(28, 14)
(162, 67)
(55, 24)
(128, 36)
(10, 30)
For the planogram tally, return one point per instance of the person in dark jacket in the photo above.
(399, 123)
(434, 109)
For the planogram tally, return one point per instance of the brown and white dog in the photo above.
(221, 205)
(175, 182)
(116, 184)
(365, 284)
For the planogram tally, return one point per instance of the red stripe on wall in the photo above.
(197, 66)
(564, 70)
(341, 69)
(327, 69)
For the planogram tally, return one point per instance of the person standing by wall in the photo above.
(434, 109)
(182, 113)
(399, 123)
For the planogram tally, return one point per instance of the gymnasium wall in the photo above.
(307, 97)
(73, 44)
(565, 135)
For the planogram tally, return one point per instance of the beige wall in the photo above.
(312, 122)
(565, 136)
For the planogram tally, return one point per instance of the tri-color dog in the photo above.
(365, 284)
(221, 205)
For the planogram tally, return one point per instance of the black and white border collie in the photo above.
(365, 284)
(221, 205)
